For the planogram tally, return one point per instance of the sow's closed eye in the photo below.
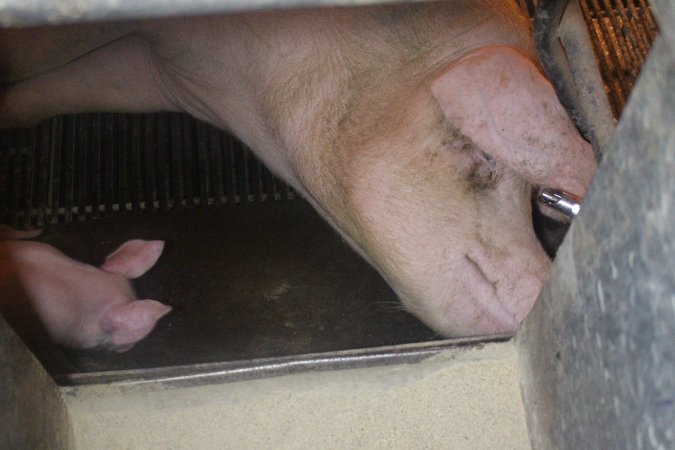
(476, 167)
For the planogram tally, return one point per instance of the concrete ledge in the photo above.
(461, 399)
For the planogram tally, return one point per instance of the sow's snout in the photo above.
(491, 268)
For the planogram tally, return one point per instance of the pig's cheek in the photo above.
(495, 274)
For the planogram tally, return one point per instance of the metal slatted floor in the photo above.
(89, 166)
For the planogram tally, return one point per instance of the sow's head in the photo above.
(485, 131)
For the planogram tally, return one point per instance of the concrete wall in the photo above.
(460, 399)
(598, 349)
(32, 413)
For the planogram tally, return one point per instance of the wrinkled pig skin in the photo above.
(417, 131)
(78, 305)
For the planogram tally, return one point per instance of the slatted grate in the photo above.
(92, 165)
(622, 32)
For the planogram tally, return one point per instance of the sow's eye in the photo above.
(475, 167)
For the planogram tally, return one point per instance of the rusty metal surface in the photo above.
(623, 32)
(598, 350)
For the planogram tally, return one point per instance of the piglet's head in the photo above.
(126, 323)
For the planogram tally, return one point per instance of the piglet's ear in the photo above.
(128, 323)
(133, 258)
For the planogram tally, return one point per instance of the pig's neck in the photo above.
(322, 111)
(312, 91)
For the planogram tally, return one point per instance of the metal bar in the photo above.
(95, 168)
(635, 36)
(232, 173)
(123, 161)
(15, 196)
(55, 168)
(243, 175)
(625, 50)
(623, 34)
(29, 177)
(109, 175)
(591, 98)
(557, 62)
(201, 374)
(43, 169)
(69, 167)
(640, 17)
(649, 18)
(260, 194)
(83, 195)
(268, 183)
(216, 151)
(148, 164)
(187, 155)
(203, 163)
(134, 158)
(49, 12)
(163, 150)
(615, 50)
(178, 194)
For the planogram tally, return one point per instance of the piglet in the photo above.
(79, 305)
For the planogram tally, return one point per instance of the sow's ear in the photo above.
(497, 97)
(128, 323)
(133, 258)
